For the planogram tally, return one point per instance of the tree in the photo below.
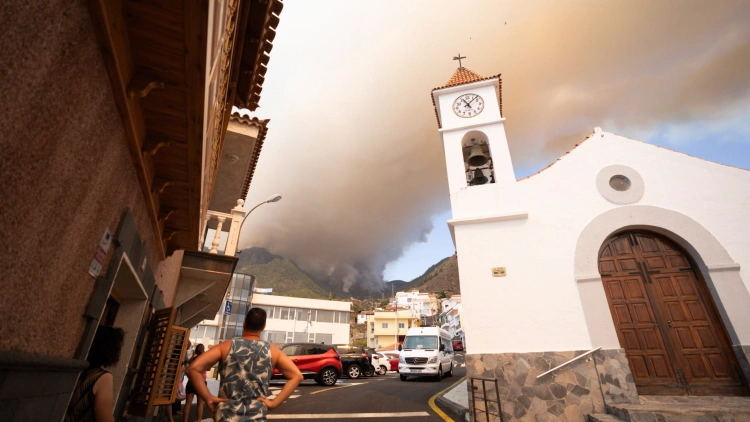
(442, 295)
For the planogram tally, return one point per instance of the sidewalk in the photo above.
(457, 401)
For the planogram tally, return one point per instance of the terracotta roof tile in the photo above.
(262, 131)
(463, 76)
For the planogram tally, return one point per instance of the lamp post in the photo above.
(272, 198)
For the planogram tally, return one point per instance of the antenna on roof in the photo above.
(459, 60)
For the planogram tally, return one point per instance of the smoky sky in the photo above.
(353, 145)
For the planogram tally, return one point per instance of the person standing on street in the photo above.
(246, 367)
(190, 390)
(92, 399)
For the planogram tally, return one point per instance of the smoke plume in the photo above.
(353, 144)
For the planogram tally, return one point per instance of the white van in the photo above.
(427, 351)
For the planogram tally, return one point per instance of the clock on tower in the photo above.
(469, 113)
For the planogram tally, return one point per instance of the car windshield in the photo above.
(421, 342)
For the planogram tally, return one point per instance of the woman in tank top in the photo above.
(246, 365)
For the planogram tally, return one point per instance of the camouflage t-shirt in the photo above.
(244, 377)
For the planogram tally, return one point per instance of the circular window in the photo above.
(619, 183)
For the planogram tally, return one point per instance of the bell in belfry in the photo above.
(479, 178)
(477, 157)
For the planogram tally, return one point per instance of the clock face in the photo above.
(468, 105)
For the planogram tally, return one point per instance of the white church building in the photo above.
(637, 254)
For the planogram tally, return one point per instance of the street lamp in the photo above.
(272, 198)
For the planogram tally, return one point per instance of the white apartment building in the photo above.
(365, 316)
(422, 304)
(294, 319)
(451, 316)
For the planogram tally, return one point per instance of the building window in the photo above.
(322, 338)
(274, 336)
(401, 325)
(210, 332)
(326, 316)
(384, 325)
(619, 183)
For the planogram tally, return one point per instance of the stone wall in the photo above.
(569, 394)
(615, 378)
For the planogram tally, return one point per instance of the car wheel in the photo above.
(383, 370)
(354, 371)
(439, 376)
(403, 377)
(327, 377)
(450, 373)
(370, 371)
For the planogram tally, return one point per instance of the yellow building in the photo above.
(388, 325)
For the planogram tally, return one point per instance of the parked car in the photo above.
(392, 357)
(458, 345)
(375, 362)
(383, 364)
(354, 359)
(319, 362)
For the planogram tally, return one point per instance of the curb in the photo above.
(455, 409)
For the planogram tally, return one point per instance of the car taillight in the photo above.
(364, 355)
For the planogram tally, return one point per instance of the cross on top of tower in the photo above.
(459, 60)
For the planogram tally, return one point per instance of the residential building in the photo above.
(295, 319)
(450, 317)
(364, 316)
(423, 304)
(387, 328)
(111, 176)
(633, 253)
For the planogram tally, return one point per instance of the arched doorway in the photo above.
(665, 318)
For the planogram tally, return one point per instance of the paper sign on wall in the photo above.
(101, 253)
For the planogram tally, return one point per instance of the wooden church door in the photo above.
(666, 319)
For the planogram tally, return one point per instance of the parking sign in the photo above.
(227, 308)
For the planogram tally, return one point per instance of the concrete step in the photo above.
(684, 408)
(603, 417)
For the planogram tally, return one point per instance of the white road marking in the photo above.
(349, 415)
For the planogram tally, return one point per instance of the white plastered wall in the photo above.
(539, 305)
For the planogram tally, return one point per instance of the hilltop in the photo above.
(288, 279)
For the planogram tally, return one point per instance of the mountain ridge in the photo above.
(288, 279)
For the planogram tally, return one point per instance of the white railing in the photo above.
(235, 220)
(581, 356)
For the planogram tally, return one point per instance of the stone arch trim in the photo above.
(720, 271)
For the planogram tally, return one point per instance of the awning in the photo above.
(204, 279)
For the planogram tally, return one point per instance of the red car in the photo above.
(392, 359)
(458, 345)
(319, 362)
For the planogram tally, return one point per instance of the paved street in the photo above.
(366, 399)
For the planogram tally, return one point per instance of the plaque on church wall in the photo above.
(498, 272)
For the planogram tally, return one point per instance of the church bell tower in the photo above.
(481, 180)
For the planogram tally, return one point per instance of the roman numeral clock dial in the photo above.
(468, 105)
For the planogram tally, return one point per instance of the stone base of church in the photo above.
(572, 392)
